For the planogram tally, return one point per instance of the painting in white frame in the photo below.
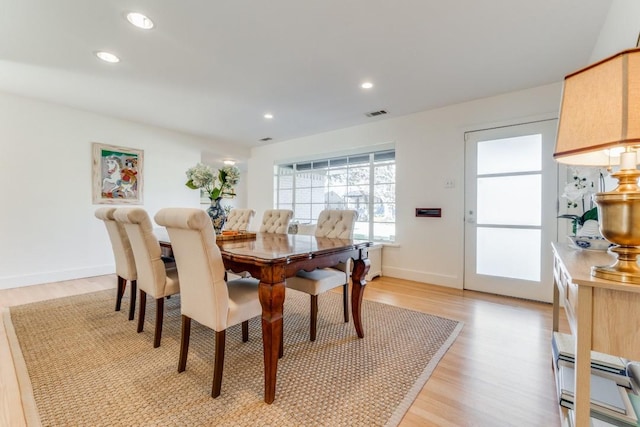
(117, 174)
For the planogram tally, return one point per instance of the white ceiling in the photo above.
(214, 67)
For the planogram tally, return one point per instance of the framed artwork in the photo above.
(117, 174)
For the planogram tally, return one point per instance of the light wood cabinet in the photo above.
(603, 315)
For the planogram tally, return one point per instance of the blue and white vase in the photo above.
(217, 214)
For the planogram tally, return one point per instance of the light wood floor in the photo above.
(497, 373)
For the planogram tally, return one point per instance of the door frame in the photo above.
(543, 291)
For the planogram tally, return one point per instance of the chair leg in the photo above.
(132, 304)
(345, 301)
(159, 316)
(142, 310)
(121, 284)
(218, 364)
(313, 317)
(184, 343)
(245, 331)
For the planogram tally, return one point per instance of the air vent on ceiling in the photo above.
(375, 113)
(265, 139)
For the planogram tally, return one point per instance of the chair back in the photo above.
(152, 275)
(204, 295)
(239, 219)
(276, 221)
(336, 223)
(122, 252)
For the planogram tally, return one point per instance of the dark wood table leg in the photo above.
(272, 299)
(360, 270)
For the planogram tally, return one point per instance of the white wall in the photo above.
(620, 30)
(48, 231)
(429, 150)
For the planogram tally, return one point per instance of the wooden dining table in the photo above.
(274, 257)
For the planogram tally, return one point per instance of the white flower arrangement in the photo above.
(581, 187)
(578, 192)
(201, 176)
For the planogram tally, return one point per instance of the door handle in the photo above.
(470, 218)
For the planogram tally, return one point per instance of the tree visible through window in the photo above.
(363, 182)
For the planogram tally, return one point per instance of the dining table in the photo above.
(272, 258)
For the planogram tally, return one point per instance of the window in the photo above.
(363, 182)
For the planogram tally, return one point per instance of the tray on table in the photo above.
(240, 235)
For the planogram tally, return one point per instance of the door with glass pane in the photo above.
(510, 210)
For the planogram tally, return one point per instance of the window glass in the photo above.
(359, 175)
(517, 154)
(286, 181)
(523, 206)
(302, 210)
(508, 252)
(322, 164)
(384, 173)
(286, 196)
(363, 182)
(337, 177)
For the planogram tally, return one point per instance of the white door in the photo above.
(510, 210)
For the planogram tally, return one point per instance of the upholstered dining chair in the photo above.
(154, 278)
(205, 295)
(276, 221)
(239, 219)
(334, 224)
(123, 254)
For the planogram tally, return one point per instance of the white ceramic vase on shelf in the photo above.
(589, 228)
(589, 237)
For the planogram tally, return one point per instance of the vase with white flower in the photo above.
(216, 186)
(579, 192)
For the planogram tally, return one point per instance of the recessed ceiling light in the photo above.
(229, 162)
(140, 20)
(268, 116)
(366, 85)
(107, 57)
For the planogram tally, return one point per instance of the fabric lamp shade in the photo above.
(600, 111)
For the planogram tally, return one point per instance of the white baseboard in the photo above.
(9, 282)
(423, 277)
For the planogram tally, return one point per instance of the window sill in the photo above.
(388, 244)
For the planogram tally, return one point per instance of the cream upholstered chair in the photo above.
(205, 296)
(123, 254)
(334, 224)
(153, 277)
(276, 221)
(239, 219)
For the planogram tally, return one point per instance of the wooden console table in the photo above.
(603, 315)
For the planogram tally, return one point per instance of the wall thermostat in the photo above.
(429, 212)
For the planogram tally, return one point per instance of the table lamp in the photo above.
(599, 125)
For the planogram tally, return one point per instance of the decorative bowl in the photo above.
(595, 243)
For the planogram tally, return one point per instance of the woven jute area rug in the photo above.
(85, 365)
